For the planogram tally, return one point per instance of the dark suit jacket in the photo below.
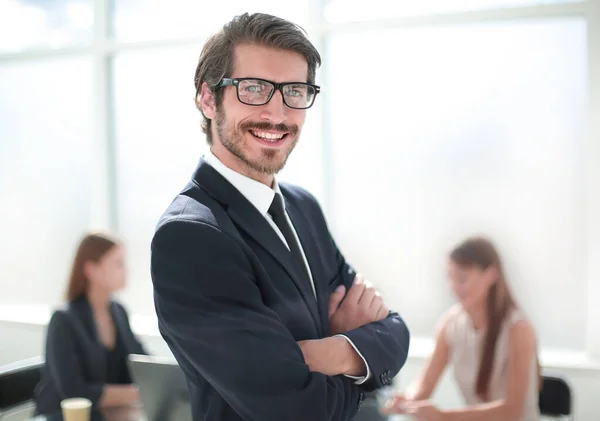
(75, 363)
(232, 304)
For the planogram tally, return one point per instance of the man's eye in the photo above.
(254, 88)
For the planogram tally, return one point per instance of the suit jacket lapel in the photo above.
(250, 220)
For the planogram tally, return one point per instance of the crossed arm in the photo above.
(354, 310)
(209, 306)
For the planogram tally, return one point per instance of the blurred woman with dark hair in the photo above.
(488, 341)
(89, 339)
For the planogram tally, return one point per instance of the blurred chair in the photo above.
(17, 383)
(555, 399)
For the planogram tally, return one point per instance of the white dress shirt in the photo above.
(261, 196)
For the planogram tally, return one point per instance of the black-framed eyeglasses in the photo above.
(254, 91)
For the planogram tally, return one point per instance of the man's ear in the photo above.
(207, 102)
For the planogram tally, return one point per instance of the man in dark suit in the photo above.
(256, 302)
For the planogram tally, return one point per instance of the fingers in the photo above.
(363, 296)
(335, 299)
(369, 294)
(398, 399)
(382, 310)
(370, 302)
(356, 290)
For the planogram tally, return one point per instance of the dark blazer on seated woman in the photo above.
(77, 363)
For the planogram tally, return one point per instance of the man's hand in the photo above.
(362, 305)
(332, 356)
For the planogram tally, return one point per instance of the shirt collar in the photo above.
(260, 195)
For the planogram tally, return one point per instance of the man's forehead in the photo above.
(279, 65)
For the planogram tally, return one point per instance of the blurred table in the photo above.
(136, 414)
(112, 414)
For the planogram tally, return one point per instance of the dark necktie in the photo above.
(277, 211)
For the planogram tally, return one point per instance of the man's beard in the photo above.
(270, 161)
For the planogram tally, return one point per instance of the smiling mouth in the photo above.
(268, 136)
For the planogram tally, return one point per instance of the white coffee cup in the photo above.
(76, 409)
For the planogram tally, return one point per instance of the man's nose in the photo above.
(275, 110)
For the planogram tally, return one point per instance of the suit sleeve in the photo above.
(63, 361)
(212, 315)
(383, 344)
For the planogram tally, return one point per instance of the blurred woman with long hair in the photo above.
(88, 340)
(488, 341)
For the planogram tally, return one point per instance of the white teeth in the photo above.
(268, 136)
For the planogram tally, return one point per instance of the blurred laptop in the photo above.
(162, 386)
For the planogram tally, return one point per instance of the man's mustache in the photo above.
(292, 130)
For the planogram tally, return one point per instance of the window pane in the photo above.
(138, 20)
(357, 10)
(34, 24)
(159, 143)
(44, 175)
(470, 129)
